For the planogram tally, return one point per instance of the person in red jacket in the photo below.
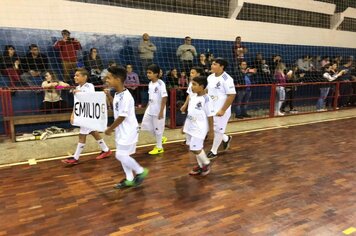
(68, 48)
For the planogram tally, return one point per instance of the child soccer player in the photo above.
(197, 124)
(194, 72)
(81, 76)
(155, 114)
(126, 128)
(221, 89)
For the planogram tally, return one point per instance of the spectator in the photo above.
(280, 90)
(186, 53)
(258, 63)
(304, 64)
(52, 97)
(316, 63)
(35, 64)
(203, 63)
(172, 79)
(146, 50)
(94, 65)
(10, 65)
(293, 76)
(239, 50)
(183, 82)
(328, 76)
(105, 71)
(345, 86)
(132, 80)
(245, 78)
(324, 60)
(276, 59)
(68, 48)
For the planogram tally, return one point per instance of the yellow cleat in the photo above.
(164, 139)
(156, 151)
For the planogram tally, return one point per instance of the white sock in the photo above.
(202, 159)
(159, 140)
(129, 165)
(225, 138)
(218, 137)
(103, 145)
(80, 147)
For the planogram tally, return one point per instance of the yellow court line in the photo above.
(33, 161)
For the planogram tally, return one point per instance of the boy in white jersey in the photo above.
(198, 123)
(221, 89)
(126, 128)
(155, 114)
(194, 72)
(81, 76)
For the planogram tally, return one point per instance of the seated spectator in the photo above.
(35, 64)
(105, 71)
(10, 65)
(172, 79)
(94, 65)
(131, 79)
(52, 97)
(203, 63)
(244, 79)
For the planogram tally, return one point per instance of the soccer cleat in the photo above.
(205, 170)
(156, 151)
(197, 170)
(226, 144)
(211, 155)
(103, 155)
(164, 139)
(125, 184)
(71, 161)
(140, 177)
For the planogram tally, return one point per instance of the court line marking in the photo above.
(33, 161)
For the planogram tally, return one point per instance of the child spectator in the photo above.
(155, 114)
(126, 128)
(280, 89)
(221, 89)
(130, 82)
(81, 76)
(198, 124)
(94, 65)
(68, 48)
(52, 93)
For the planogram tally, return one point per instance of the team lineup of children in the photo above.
(208, 105)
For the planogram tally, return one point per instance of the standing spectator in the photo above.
(94, 65)
(68, 48)
(280, 90)
(324, 60)
(221, 89)
(328, 76)
(146, 50)
(182, 82)
(186, 53)
(132, 81)
(293, 76)
(276, 59)
(244, 78)
(239, 50)
(345, 86)
(35, 64)
(10, 65)
(52, 97)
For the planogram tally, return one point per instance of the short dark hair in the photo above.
(83, 72)
(154, 68)
(201, 80)
(198, 69)
(118, 72)
(65, 31)
(221, 61)
(32, 46)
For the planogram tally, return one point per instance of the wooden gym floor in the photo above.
(291, 181)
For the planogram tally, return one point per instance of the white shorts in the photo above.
(153, 124)
(195, 144)
(125, 149)
(220, 122)
(86, 131)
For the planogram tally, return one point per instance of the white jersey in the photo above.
(156, 91)
(124, 105)
(87, 87)
(199, 109)
(189, 90)
(218, 89)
